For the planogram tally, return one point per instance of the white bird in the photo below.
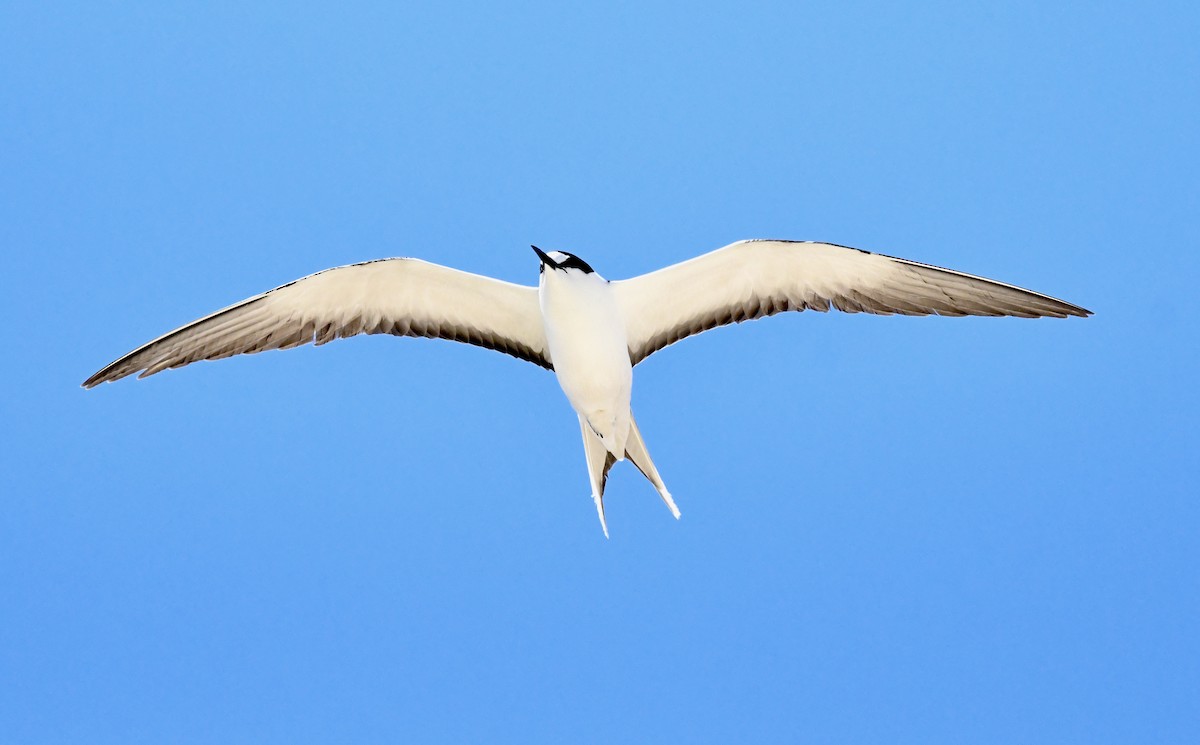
(590, 331)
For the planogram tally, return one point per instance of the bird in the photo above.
(589, 331)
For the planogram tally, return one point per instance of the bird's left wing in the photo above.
(404, 297)
(751, 279)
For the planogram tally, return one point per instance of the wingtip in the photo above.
(1071, 309)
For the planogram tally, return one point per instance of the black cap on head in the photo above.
(570, 262)
(574, 262)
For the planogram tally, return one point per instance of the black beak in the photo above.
(546, 260)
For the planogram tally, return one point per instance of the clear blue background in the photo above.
(894, 529)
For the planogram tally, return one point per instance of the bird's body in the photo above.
(586, 338)
(591, 332)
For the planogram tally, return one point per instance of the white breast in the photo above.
(586, 336)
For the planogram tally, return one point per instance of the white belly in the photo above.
(587, 342)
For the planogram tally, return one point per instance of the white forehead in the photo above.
(558, 256)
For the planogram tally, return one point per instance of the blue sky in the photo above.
(894, 529)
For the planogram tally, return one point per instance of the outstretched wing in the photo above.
(751, 279)
(404, 297)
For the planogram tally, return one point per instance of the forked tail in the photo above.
(599, 461)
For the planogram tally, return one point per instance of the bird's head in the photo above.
(561, 261)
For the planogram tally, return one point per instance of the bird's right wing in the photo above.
(751, 279)
(404, 297)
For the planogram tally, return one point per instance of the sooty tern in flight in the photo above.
(590, 331)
